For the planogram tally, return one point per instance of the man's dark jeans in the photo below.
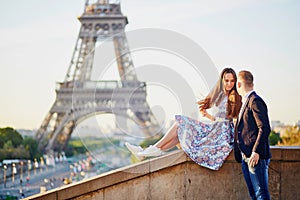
(257, 179)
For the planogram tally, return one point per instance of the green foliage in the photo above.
(92, 143)
(274, 138)
(20, 153)
(8, 145)
(79, 150)
(291, 136)
(13, 146)
(76, 143)
(69, 150)
(2, 154)
(150, 141)
(11, 134)
(75, 147)
(82, 145)
(31, 146)
(10, 197)
(15, 153)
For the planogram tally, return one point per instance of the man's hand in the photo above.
(253, 160)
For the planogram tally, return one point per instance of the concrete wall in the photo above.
(175, 176)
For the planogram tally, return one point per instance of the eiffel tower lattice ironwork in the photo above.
(78, 97)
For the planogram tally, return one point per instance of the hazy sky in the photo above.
(38, 38)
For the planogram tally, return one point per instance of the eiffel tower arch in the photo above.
(78, 97)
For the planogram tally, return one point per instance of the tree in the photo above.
(20, 153)
(31, 146)
(13, 146)
(3, 154)
(8, 145)
(274, 138)
(10, 134)
(75, 147)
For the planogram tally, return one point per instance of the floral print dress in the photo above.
(207, 143)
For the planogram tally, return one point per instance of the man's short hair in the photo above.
(246, 77)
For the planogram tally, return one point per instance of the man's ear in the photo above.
(239, 84)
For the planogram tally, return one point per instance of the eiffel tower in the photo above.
(78, 97)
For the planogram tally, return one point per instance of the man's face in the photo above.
(239, 85)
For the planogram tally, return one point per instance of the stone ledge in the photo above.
(114, 177)
(144, 176)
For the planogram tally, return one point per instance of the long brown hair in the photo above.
(234, 102)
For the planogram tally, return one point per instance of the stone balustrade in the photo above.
(175, 176)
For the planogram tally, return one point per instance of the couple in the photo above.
(209, 143)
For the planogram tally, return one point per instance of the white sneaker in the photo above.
(151, 151)
(134, 150)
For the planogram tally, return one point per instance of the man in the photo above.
(252, 131)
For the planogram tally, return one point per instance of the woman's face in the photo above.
(228, 81)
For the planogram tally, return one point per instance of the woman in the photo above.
(207, 144)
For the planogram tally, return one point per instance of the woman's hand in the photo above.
(203, 112)
(207, 115)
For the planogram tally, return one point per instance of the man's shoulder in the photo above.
(254, 96)
(256, 99)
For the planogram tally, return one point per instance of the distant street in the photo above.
(63, 172)
(51, 177)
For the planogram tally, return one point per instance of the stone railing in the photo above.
(175, 176)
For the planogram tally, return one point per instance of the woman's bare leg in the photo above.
(170, 139)
(174, 142)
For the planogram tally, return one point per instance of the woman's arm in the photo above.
(207, 115)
